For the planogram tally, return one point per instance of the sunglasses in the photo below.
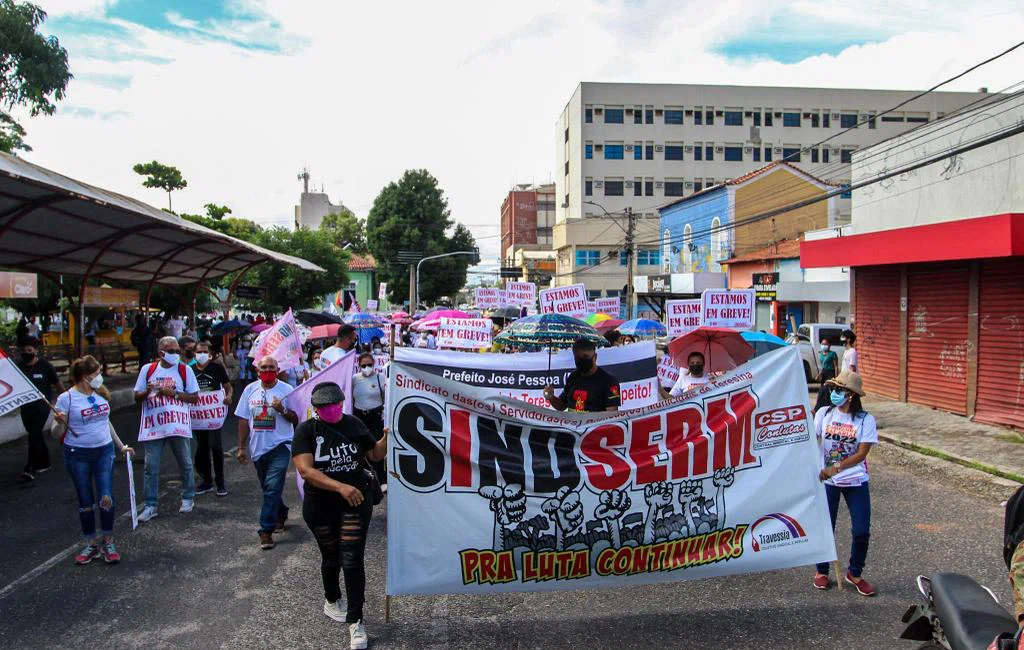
(369, 366)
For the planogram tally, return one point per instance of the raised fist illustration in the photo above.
(658, 494)
(613, 504)
(508, 504)
(724, 477)
(566, 511)
(690, 491)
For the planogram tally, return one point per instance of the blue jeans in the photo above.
(87, 465)
(271, 468)
(858, 502)
(182, 450)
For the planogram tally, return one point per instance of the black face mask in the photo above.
(696, 369)
(28, 357)
(584, 364)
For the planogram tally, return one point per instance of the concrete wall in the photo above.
(774, 189)
(741, 273)
(603, 235)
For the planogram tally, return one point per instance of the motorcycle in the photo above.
(959, 614)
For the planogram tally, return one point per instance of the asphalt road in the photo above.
(201, 581)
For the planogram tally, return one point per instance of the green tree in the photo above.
(164, 177)
(33, 70)
(216, 212)
(345, 228)
(412, 215)
(288, 286)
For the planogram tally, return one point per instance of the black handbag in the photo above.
(372, 483)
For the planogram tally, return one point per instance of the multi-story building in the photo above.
(643, 145)
(314, 206)
(593, 252)
(527, 217)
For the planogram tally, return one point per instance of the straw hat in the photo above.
(849, 380)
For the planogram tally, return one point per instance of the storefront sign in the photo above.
(765, 285)
(659, 283)
(19, 285)
(110, 297)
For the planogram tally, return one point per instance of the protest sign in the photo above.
(668, 374)
(15, 388)
(608, 306)
(464, 333)
(722, 482)
(371, 305)
(209, 412)
(380, 363)
(487, 298)
(733, 308)
(339, 372)
(682, 316)
(164, 417)
(523, 376)
(131, 492)
(570, 300)
(282, 342)
(520, 294)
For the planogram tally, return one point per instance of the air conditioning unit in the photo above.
(659, 184)
(688, 148)
(778, 149)
(629, 111)
(719, 149)
(748, 113)
(807, 116)
(598, 183)
(658, 147)
(658, 111)
(629, 147)
(835, 152)
(778, 114)
(598, 110)
(689, 184)
(747, 149)
(719, 113)
(864, 117)
(628, 183)
(598, 147)
(835, 116)
(688, 112)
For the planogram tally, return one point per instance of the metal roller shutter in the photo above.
(937, 341)
(1001, 344)
(877, 327)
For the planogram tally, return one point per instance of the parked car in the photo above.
(808, 337)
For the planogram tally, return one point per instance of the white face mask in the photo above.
(96, 382)
(367, 371)
(377, 348)
(318, 363)
(202, 358)
(170, 358)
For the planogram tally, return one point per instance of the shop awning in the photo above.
(52, 224)
(1000, 235)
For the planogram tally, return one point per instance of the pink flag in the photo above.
(339, 372)
(282, 342)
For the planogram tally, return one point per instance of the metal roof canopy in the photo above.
(54, 225)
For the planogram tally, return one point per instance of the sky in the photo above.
(241, 95)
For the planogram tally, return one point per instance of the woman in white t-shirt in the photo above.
(846, 433)
(850, 354)
(83, 420)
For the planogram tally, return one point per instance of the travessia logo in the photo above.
(775, 530)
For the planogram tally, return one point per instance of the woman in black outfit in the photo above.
(330, 452)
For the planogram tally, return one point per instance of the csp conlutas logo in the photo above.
(774, 531)
(782, 426)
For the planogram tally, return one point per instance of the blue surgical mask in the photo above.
(838, 397)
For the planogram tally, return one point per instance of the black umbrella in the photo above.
(505, 314)
(314, 317)
(229, 326)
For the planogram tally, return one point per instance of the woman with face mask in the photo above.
(828, 361)
(368, 405)
(82, 419)
(846, 433)
(313, 361)
(329, 452)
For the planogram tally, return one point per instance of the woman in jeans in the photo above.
(847, 432)
(83, 417)
(330, 453)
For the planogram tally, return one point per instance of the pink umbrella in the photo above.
(256, 329)
(433, 321)
(324, 331)
(723, 349)
(608, 324)
(401, 318)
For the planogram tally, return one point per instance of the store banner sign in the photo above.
(489, 494)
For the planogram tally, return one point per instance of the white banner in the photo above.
(209, 412)
(571, 301)
(387, 333)
(15, 388)
(523, 376)
(371, 305)
(521, 293)
(731, 308)
(682, 316)
(721, 483)
(164, 417)
(487, 298)
(464, 333)
(608, 306)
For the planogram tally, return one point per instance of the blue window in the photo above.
(826, 120)
(648, 188)
(588, 151)
(673, 188)
(649, 152)
(767, 154)
(593, 294)
(587, 257)
(756, 117)
(824, 154)
(613, 116)
(638, 117)
(756, 152)
(698, 117)
(588, 187)
(709, 152)
(709, 117)
(638, 187)
(613, 188)
(588, 115)
(623, 260)
(649, 116)
(791, 119)
(698, 153)
(814, 155)
(847, 121)
(734, 118)
(846, 156)
(848, 194)
(698, 186)
(613, 152)
(673, 152)
(767, 119)
(791, 154)
(734, 154)
(638, 151)
(673, 117)
(648, 257)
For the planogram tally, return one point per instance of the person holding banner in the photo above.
(166, 388)
(265, 430)
(35, 414)
(83, 419)
(330, 453)
(368, 405)
(212, 378)
(588, 388)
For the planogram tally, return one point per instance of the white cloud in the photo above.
(468, 90)
(76, 7)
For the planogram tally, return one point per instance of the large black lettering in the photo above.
(500, 453)
(549, 473)
(419, 457)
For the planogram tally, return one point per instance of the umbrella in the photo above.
(363, 318)
(548, 330)
(762, 342)
(433, 321)
(324, 331)
(594, 319)
(229, 326)
(368, 332)
(642, 328)
(505, 314)
(314, 317)
(723, 349)
(261, 327)
(609, 324)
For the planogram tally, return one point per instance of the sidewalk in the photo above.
(951, 437)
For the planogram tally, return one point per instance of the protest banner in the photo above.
(380, 363)
(371, 305)
(722, 482)
(521, 294)
(164, 417)
(487, 298)
(209, 412)
(15, 388)
(668, 374)
(731, 308)
(608, 306)
(339, 372)
(523, 376)
(682, 316)
(464, 333)
(281, 341)
(570, 300)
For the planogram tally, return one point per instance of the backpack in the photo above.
(1013, 527)
(151, 369)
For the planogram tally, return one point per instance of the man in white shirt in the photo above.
(166, 386)
(265, 431)
(693, 375)
(850, 355)
(347, 338)
(175, 327)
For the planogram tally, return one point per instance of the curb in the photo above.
(963, 461)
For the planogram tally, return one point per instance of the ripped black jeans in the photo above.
(340, 532)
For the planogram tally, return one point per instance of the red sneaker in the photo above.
(87, 554)
(110, 554)
(821, 582)
(863, 587)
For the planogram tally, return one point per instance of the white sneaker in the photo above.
(357, 633)
(384, 489)
(147, 513)
(335, 610)
(187, 505)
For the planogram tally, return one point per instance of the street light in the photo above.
(475, 253)
(630, 231)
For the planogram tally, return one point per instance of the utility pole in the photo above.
(630, 260)
(412, 289)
